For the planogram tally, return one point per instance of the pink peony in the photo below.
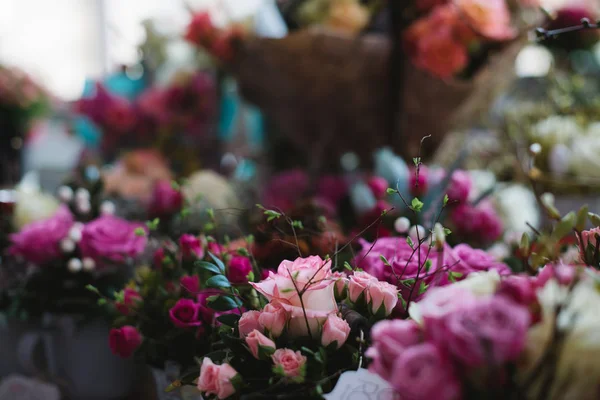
(311, 275)
(488, 330)
(124, 341)
(390, 338)
(459, 186)
(39, 242)
(255, 340)
(216, 379)
(131, 300)
(422, 372)
(239, 268)
(191, 283)
(166, 200)
(273, 318)
(292, 363)
(113, 239)
(335, 330)
(185, 313)
(249, 322)
(191, 248)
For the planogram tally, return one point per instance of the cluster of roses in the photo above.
(203, 33)
(440, 41)
(104, 241)
(185, 106)
(500, 330)
(303, 297)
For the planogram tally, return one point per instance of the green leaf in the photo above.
(423, 288)
(384, 260)
(139, 231)
(416, 205)
(211, 213)
(185, 212)
(218, 262)
(391, 191)
(153, 225)
(271, 215)
(209, 226)
(223, 302)
(242, 251)
(445, 201)
(417, 161)
(594, 219)
(288, 290)
(347, 266)
(297, 224)
(428, 264)
(408, 282)
(175, 185)
(322, 219)
(452, 276)
(101, 301)
(250, 276)
(410, 242)
(205, 265)
(92, 289)
(229, 319)
(564, 226)
(218, 282)
(582, 218)
(447, 231)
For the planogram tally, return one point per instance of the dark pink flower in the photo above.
(378, 186)
(185, 313)
(39, 242)
(124, 341)
(131, 300)
(191, 248)
(476, 260)
(190, 283)
(419, 184)
(239, 268)
(519, 288)
(165, 200)
(113, 239)
(459, 186)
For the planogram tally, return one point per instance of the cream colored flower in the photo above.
(31, 206)
(481, 284)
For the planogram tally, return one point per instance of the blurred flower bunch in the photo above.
(183, 110)
(20, 97)
(450, 38)
(218, 42)
(350, 16)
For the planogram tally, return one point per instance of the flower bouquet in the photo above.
(320, 81)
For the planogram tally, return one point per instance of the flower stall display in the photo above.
(320, 81)
(21, 100)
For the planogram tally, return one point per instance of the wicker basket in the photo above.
(328, 93)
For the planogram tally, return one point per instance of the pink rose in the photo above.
(311, 275)
(191, 283)
(239, 268)
(191, 247)
(185, 313)
(459, 186)
(215, 248)
(39, 242)
(124, 341)
(390, 338)
(216, 379)
(335, 330)
(564, 274)
(488, 330)
(376, 293)
(255, 340)
(111, 238)
(378, 186)
(273, 318)
(479, 222)
(475, 260)
(589, 237)
(249, 322)
(131, 300)
(292, 363)
(422, 372)
(490, 18)
(341, 282)
(439, 302)
(166, 200)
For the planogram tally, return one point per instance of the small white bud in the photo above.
(535, 149)
(107, 208)
(82, 194)
(67, 245)
(84, 206)
(74, 265)
(413, 233)
(75, 234)
(402, 225)
(88, 264)
(439, 235)
(65, 194)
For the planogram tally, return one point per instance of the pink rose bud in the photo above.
(185, 313)
(589, 237)
(459, 187)
(124, 341)
(336, 330)
(358, 284)
(256, 340)
(190, 283)
(383, 298)
(191, 247)
(159, 258)
(273, 318)
(131, 300)
(239, 268)
(215, 248)
(249, 322)
(216, 379)
(166, 200)
(341, 283)
(418, 185)
(378, 186)
(292, 363)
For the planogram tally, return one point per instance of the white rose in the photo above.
(586, 164)
(481, 284)
(31, 206)
(515, 219)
